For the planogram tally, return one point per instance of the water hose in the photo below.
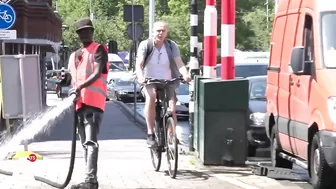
(71, 166)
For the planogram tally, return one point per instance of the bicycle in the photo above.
(164, 128)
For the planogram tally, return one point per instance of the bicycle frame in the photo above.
(162, 104)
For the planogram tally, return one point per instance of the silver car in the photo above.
(123, 90)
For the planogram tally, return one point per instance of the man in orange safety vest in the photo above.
(89, 68)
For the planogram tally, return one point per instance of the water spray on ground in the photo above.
(34, 126)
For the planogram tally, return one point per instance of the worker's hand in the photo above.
(76, 92)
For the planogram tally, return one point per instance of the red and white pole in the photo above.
(210, 39)
(227, 39)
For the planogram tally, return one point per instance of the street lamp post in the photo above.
(64, 27)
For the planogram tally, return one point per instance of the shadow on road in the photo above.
(115, 126)
(190, 175)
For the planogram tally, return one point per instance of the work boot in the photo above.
(85, 185)
(151, 140)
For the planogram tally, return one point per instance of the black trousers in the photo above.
(88, 123)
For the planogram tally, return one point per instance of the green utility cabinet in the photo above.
(197, 80)
(222, 110)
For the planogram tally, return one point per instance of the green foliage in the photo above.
(251, 28)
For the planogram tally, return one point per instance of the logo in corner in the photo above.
(32, 158)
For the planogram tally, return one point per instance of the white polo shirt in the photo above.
(158, 65)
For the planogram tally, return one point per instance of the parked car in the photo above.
(182, 104)
(247, 69)
(123, 90)
(256, 133)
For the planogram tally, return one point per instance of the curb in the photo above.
(139, 119)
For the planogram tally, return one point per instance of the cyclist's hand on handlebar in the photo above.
(141, 80)
(186, 79)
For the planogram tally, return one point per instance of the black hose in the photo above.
(71, 167)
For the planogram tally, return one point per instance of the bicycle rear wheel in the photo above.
(172, 147)
(156, 151)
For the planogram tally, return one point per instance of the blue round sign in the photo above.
(7, 16)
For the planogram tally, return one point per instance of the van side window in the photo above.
(308, 41)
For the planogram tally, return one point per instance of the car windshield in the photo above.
(258, 90)
(182, 90)
(117, 66)
(124, 83)
(328, 30)
(246, 70)
(250, 70)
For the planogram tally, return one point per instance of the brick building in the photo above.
(39, 30)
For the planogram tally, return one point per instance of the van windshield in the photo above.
(328, 39)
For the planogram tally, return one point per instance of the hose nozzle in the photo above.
(73, 95)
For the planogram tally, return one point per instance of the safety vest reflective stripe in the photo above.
(97, 90)
(87, 72)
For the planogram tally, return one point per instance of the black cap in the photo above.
(83, 23)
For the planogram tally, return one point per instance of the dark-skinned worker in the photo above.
(88, 67)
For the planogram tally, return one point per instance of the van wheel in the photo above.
(322, 175)
(278, 161)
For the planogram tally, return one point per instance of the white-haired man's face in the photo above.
(160, 31)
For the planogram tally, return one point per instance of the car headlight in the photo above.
(332, 108)
(258, 118)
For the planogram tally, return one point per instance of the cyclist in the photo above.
(159, 58)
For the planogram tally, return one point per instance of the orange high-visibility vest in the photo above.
(95, 94)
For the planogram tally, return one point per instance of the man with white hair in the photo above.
(159, 58)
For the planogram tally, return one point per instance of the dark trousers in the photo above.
(89, 120)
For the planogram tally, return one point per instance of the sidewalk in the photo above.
(124, 159)
(239, 176)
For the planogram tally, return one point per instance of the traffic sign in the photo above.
(138, 31)
(8, 34)
(7, 16)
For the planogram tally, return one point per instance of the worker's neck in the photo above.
(86, 44)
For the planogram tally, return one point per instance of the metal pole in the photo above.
(194, 68)
(267, 14)
(133, 59)
(227, 39)
(151, 17)
(24, 108)
(210, 39)
(91, 15)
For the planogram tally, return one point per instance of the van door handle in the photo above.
(298, 84)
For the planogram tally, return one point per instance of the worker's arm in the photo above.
(100, 62)
(140, 60)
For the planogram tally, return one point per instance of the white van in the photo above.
(116, 63)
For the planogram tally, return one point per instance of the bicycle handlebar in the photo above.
(161, 81)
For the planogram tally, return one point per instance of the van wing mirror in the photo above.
(297, 60)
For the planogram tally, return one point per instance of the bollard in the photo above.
(194, 69)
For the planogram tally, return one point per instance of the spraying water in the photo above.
(33, 126)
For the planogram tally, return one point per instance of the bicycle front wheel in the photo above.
(172, 147)
(156, 151)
